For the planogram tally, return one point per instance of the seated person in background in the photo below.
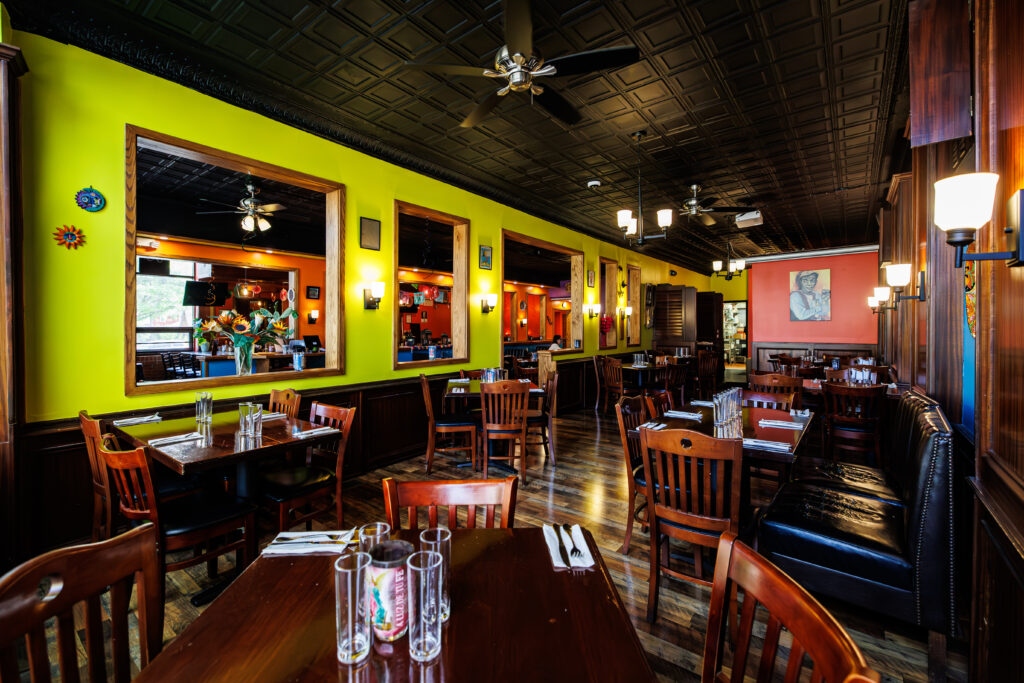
(556, 343)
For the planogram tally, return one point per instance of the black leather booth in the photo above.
(882, 539)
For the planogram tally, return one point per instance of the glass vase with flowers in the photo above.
(244, 333)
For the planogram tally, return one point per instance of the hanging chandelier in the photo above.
(634, 227)
(735, 265)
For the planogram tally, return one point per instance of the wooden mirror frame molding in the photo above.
(578, 282)
(610, 290)
(634, 299)
(460, 287)
(334, 277)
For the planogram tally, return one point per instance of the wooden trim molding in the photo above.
(460, 286)
(334, 302)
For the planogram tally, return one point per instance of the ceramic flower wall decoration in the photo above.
(89, 199)
(70, 237)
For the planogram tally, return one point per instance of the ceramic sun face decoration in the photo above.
(70, 237)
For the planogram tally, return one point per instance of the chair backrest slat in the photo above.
(815, 632)
(133, 483)
(51, 585)
(285, 401)
(613, 373)
(504, 405)
(453, 494)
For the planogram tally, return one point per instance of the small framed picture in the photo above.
(423, 315)
(312, 292)
(485, 258)
(369, 233)
(590, 278)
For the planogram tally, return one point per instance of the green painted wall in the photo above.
(731, 290)
(74, 110)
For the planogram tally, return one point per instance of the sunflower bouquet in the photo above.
(244, 333)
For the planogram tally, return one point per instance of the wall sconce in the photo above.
(873, 304)
(963, 203)
(592, 310)
(522, 322)
(629, 311)
(897, 276)
(488, 303)
(882, 298)
(313, 316)
(372, 295)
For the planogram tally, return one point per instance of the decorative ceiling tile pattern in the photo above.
(792, 106)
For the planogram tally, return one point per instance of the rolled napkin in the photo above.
(705, 404)
(314, 432)
(781, 424)
(309, 542)
(525, 380)
(806, 412)
(144, 419)
(273, 416)
(461, 379)
(683, 415)
(762, 445)
(538, 390)
(178, 438)
(552, 536)
(653, 426)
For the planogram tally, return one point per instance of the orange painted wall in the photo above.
(311, 273)
(529, 294)
(854, 277)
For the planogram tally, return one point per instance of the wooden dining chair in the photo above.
(853, 420)
(102, 507)
(55, 583)
(810, 373)
(775, 401)
(542, 419)
(658, 402)
(204, 522)
(288, 489)
(835, 375)
(631, 413)
(285, 401)
(486, 493)
(521, 370)
(707, 373)
(447, 425)
(470, 374)
(693, 495)
(503, 418)
(779, 384)
(599, 381)
(613, 388)
(675, 380)
(815, 634)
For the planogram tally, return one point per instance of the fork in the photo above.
(575, 552)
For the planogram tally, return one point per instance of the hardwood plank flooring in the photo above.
(588, 486)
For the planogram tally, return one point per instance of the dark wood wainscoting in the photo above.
(759, 351)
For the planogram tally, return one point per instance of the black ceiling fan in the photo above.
(253, 211)
(699, 208)
(518, 64)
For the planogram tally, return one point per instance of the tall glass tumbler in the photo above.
(439, 540)
(424, 604)
(256, 420)
(245, 418)
(373, 533)
(204, 406)
(351, 612)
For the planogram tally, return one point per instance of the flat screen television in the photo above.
(205, 293)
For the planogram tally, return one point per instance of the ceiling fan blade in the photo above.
(211, 201)
(263, 208)
(558, 106)
(595, 60)
(705, 202)
(207, 213)
(733, 209)
(518, 28)
(481, 110)
(449, 69)
(706, 219)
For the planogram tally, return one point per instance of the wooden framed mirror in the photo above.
(634, 306)
(431, 281)
(232, 265)
(609, 326)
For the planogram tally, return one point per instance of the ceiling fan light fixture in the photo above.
(249, 223)
(264, 224)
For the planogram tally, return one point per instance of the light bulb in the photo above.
(965, 201)
(264, 224)
(873, 302)
(716, 266)
(492, 300)
(897, 275)
(882, 293)
(664, 218)
(740, 264)
(248, 224)
(629, 311)
(624, 216)
(377, 290)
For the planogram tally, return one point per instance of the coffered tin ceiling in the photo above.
(796, 106)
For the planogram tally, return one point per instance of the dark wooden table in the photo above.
(473, 389)
(513, 619)
(641, 373)
(222, 445)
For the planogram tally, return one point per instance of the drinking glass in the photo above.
(256, 420)
(373, 533)
(204, 406)
(352, 615)
(439, 540)
(424, 604)
(244, 418)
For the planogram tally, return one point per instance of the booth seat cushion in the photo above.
(838, 530)
(862, 480)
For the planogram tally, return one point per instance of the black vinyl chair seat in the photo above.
(204, 509)
(871, 482)
(839, 530)
(286, 483)
(458, 420)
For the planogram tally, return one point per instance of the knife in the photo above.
(562, 551)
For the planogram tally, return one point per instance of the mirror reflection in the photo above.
(537, 302)
(425, 284)
(230, 271)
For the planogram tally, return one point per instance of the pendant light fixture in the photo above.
(633, 227)
(735, 265)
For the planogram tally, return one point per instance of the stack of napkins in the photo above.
(783, 424)
(552, 536)
(763, 445)
(683, 415)
(457, 390)
(309, 542)
(653, 426)
(315, 432)
(704, 404)
(179, 438)
(144, 419)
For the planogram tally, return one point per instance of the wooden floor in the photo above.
(588, 486)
